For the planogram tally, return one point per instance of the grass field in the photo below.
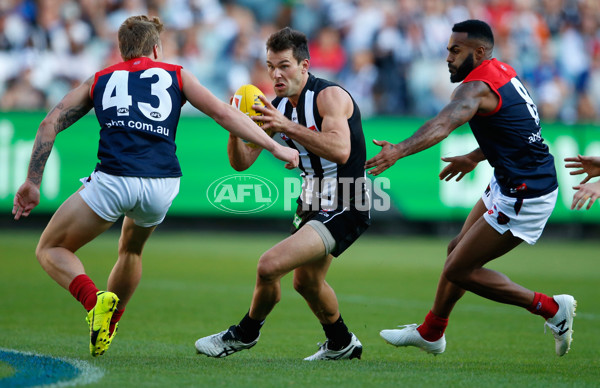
(196, 284)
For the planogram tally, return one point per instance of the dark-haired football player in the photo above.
(513, 208)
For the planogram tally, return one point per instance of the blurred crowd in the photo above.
(389, 54)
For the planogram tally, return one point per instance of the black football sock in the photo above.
(248, 329)
(338, 335)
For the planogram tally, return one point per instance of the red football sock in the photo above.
(433, 328)
(115, 318)
(84, 290)
(543, 305)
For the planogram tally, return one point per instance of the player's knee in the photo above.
(40, 254)
(456, 275)
(452, 245)
(267, 269)
(305, 286)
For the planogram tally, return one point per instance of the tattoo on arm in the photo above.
(466, 102)
(460, 113)
(39, 156)
(70, 109)
(69, 116)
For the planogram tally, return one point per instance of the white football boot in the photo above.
(409, 336)
(222, 344)
(561, 323)
(353, 350)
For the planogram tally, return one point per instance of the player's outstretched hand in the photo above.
(26, 198)
(589, 165)
(384, 159)
(459, 165)
(288, 155)
(585, 192)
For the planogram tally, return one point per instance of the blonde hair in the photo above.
(138, 35)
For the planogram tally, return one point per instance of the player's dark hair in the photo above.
(475, 29)
(138, 35)
(286, 39)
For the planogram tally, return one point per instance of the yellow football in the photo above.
(244, 98)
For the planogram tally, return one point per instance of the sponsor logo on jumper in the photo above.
(535, 137)
(521, 187)
(148, 127)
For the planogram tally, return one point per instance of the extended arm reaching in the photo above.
(465, 103)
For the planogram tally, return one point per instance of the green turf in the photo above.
(196, 284)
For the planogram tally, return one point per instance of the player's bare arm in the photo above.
(71, 108)
(241, 156)
(461, 165)
(589, 165)
(467, 100)
(233, 120)
(333, 142)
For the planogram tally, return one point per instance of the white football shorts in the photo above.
(524, 217)
(145, 200)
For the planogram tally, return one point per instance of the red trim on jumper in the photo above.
(93, 86)
(495, 74)
(139, 64)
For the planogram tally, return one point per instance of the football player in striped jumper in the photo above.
(514, 207)
(137, 103)
(320, 120)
